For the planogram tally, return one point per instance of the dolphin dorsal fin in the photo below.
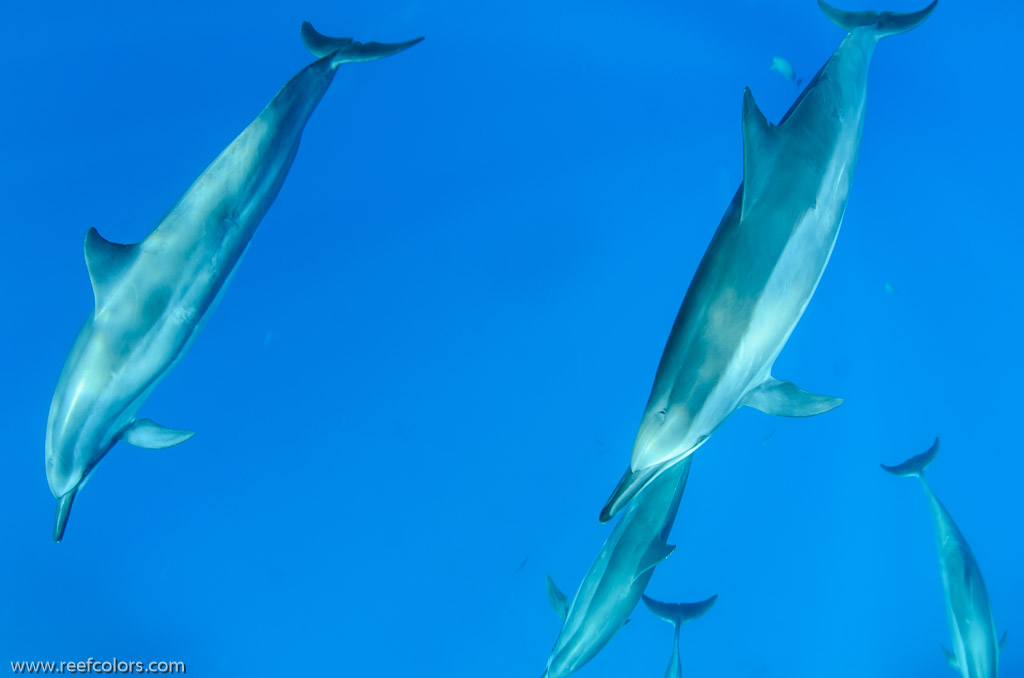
(106, 261)
(656, 553)
(559, 603)
(759, 141)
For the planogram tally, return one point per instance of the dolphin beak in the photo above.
(63, 511)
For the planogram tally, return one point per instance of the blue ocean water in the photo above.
(427, 374)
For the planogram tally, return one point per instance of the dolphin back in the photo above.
(883, 23)
(916, 465)
(679, 613)
(347, 50)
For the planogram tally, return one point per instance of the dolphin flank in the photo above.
(975, 649)
(153, 297)
(764, 262)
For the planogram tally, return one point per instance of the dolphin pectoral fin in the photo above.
(559, 603)
(148, 434)
(758, 148)
(60, 521)
(106, 261)
(657, 552)
(786, 399)
(1002, 642)
(347, 50)
(951, 659)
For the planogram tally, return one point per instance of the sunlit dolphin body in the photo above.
(975, 648)
(678, 614)
(619, 575)
(764, 262)
(153, 297)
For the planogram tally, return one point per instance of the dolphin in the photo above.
(152, 297)
(678, 614)
(616, 580)
(975, 648)
(764, 261)
(785, 69)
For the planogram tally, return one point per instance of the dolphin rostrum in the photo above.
(678, 614)
(153, 297)
(618, 576)
(764, 261)
(975, 648)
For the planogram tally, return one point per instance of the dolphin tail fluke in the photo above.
(884, 23)
(679, 613)
(60, 522)
(346, 50)
(915, 466)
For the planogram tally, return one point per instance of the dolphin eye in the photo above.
(661, 415)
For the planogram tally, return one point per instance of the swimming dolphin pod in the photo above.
(678, 614)
(152, 297)
(764, 261)
(612, 587)
(975, 648)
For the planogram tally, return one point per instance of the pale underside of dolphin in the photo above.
(153, 297)
(612, 587)
(678, 614)
(764, 262)
(975, 647)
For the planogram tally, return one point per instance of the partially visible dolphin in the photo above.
(764, 262)
(613, 585)
(975, 648)
(785, 69)
(678, 614)
(153, 297)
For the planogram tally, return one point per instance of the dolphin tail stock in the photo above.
(916, 465)
(884, 23)
(347, 50)
(679, 613)
(60, 521)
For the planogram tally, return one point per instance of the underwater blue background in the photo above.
(430, 367)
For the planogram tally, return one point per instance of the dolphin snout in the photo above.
(60, 522)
